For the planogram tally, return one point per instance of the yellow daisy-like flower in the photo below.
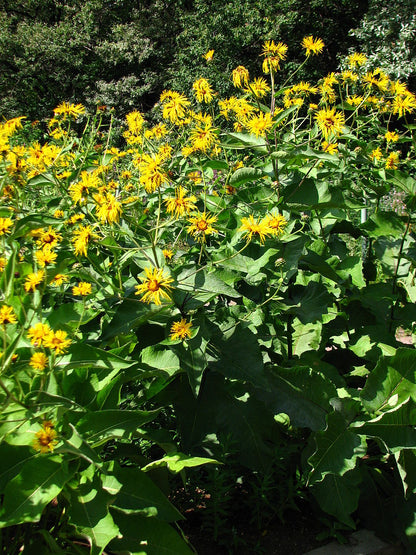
(254, 227)
(57, 341)
(180, 330)
(403, 104)
(152, 174)
(259, 87)
(3, 262)
(312, 46)
(155, 286)
(66, 109)
(5, 225)
(49, 237)
(168, 254)
(80, 190)
(392, 161)
(45, 440)
(376, 154)
(273, 55)
(174, 106)
(330, 122)
(259, 125)
(7, 315)
(58, 280)
(276, 223)
(135, 122)
(83, 288)
(203, 91)
(240, 77)
(391, 137)
(209, 55)
(38, 361)
(58, 214)
(356, 59)
(108, 208)
(203, 137)
(180, 204)
(201, 225)
(330, 148)
(38, 333)
(33, 280)
(45, 256)
(82, 238)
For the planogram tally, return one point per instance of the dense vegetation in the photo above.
(218, 294)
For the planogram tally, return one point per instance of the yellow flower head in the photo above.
(180, 330)
(330, 148)
(108, 208)
(391, 137)
(312, 46)
(152, 174)
(259, 87)
(168, 254)
(203, 137)
(273, 55)
(33, 280)
(180, 204)
(49, 237)
(254, 227)
(38, 361)
(392, 161)
(135, 122)
(66, 109)
(356, 59)
(7, 315)
(376, 154)
(83, 288)
(276, 223)
(240, 77)
(82, 238)
(330, 122)
(57, 341)
(38, 333)
(203, 91)
(201, 225)
(155, 286)
(58, 280)
(45, 439)
(209, 55)
(174, 106)
(45, 256)
(259, 125)
(5, 225)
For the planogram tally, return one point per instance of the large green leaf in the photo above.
(337, 449)
(40, 480)
(338, 495)
(205, 285)
(406, 464)
(244, 175)
(391, 382)
(301, 393)
(395, 427)
(12, 458)
(83, 355)
(161, 357)
(100, 426)
(130, 315)
(176, 462)
(146, 536)
(193, 359)
(138, 493)
(88, 512)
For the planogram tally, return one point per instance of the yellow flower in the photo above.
(57, 341)
(7, 315)
(108, 208)
(392, 161)
(356, 59)
(58, 214)
(330, 122)
(174, 106)
(81, 239)
(180, 330)
(259, 125)
(276, 223)
(49, 237)
(203, 137)
(83, 288)
(155, 286)
(201, 225)
(66, 109)
(79, 191)
(240, 77)
(391, 137)
(5, 225)
(38, 361)
(376, 154)
(45, 256)
(135, 122)
(46, 438)
(3, 262)
(209, 55)
(180, 204)
(258, 87)
(403, 104)
(152, 174)
(330, 148)
(255, 227)
(33, 280)
(168, 254)
(312, 46)
(38, 333)
(58, 280)
(273, 55)
(203, 90)
(195, 177)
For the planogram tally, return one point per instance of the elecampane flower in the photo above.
(57, 341)
(180, 330)
(38, 361)
(201, 225)
(5, 225)
(33, 280)
(180, 205)
(254, 227)
(45, 439)
(155, 286)
(7, 315)
(330, 122)
(38, 333)
(82, 289)
(312, 46)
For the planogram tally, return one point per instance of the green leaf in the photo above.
(161, 357)
(100, 426)
(300, 392)
(193, 359)
(338, 495)
(308, 303)
(205, 286)
(70, 314)
(12, 458)
(82, 355)
(391, 382)
(146, 536)
(395, 427)
(384, 224)
(244, 175)
(138, 492)
(337, 449)
(406, 464)
(88, 512)
(40, 480)
(176, 462)
(130, 315)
